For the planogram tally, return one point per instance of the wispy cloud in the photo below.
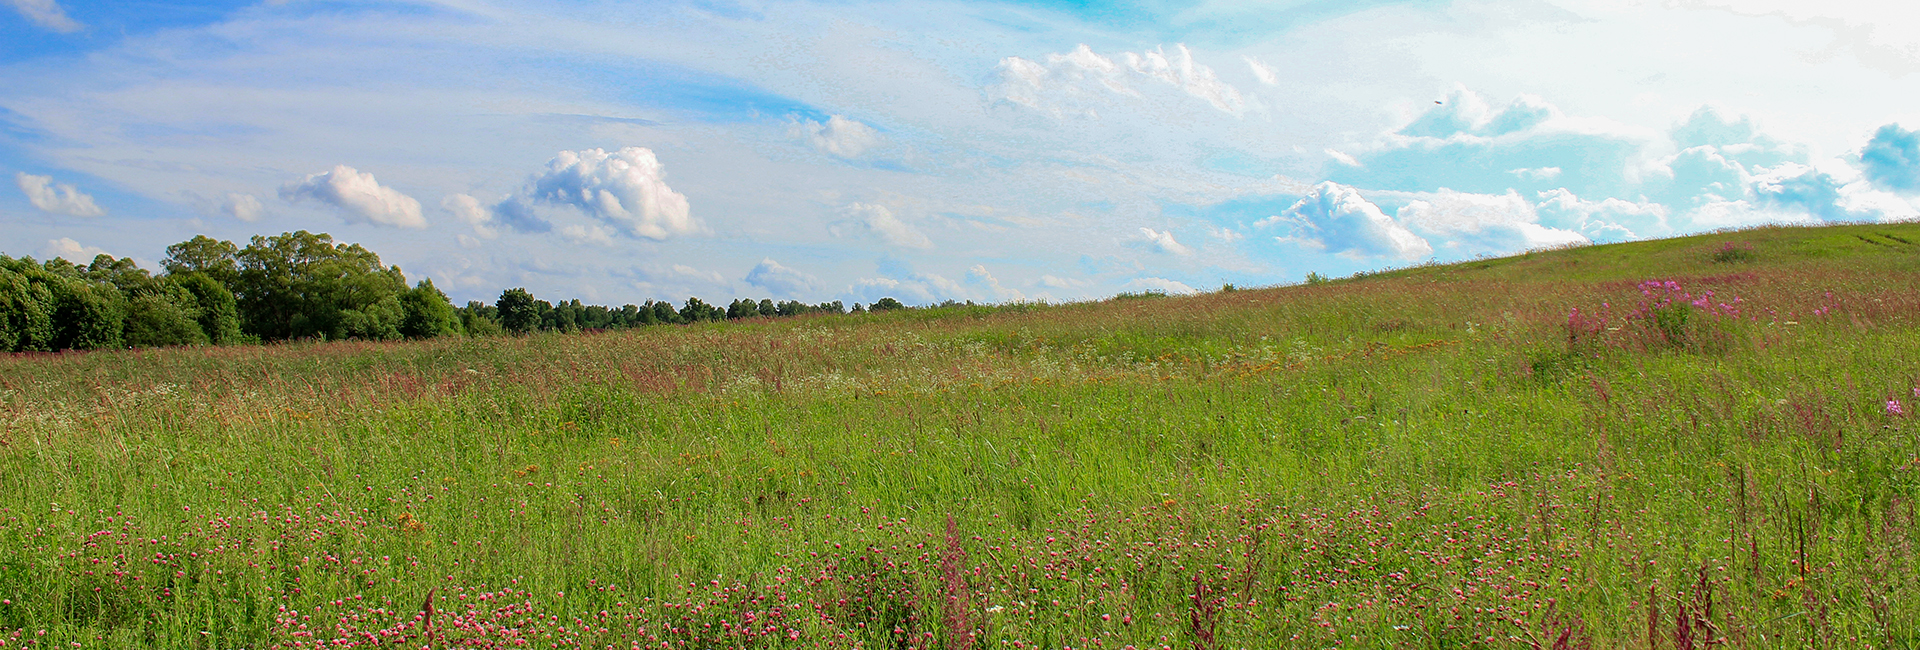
(57, 198)
(48, 14)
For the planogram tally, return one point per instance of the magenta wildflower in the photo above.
(1893, 408)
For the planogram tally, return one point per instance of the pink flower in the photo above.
(1893, 407)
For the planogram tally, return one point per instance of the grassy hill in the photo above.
(1657, 444)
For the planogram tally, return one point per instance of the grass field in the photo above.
(1668, 444)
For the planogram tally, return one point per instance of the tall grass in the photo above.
(1540, 451)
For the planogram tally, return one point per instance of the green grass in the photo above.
(1432, 457)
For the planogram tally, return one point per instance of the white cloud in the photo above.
(1483, 223)
(627, 189)
(1081, 82)
(1465, 144)
(916, 289)
(58, 198)
(469, 211)
(979, 275)
(784, 282)
(1161, 242)
(1226, 235)
(1261, 70)
(68, 249)
(588, 234)
(839, 136)
(1344, 159)
(48, 14)
(1069, 284)
(243, 207)
(1335, 218)
(358, 196)
(1606, 220)
(1161, 285)
(879, 220)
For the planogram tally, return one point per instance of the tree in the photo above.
(885, 304)
(219, 313)
(767, 308)
(86, 315)
(301, 284)
(26, 308)
(479, 319)
(427, 312)
(163, 317)
(697, 310)
(663, 312)
(518, 312)
(202, 254)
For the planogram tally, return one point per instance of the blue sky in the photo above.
(928, 151)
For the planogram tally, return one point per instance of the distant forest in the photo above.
(296, 285)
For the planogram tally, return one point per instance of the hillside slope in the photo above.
(1656, 444)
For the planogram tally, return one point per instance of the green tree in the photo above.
(518, 311)
(202, 254)
(86, 315)
(697, 310)
(663, 312)
(26, 308)
(885, 304)
(428, 312)
(219, 313)
(167, 315)
(302, 284)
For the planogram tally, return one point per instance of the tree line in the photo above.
(296, 285)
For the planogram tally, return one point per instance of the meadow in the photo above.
(1706, 441)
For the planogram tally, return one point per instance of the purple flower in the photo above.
(1893, 407)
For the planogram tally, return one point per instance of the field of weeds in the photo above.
(1675, 444)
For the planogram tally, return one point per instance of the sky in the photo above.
(928, 151)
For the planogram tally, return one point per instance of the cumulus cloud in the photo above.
(244, 207)
(626, 189)
(1891, 160)
(1079, 83)
(1606, 220)
(879, 220)
(1468, 145)
(469, 211)
(782, 281)
(1335, 218)
(1161, 242)
(978, 275)
(839, 136)
(588, 234)
(1261, 70)
(1069, 284)
(1483, 223)
(47, 14)
(1161, 285)
(916, 288)
(57, 198)
(358, 196)
(1793, 185)
(68, 249)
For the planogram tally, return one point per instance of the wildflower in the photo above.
(1893, 408)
